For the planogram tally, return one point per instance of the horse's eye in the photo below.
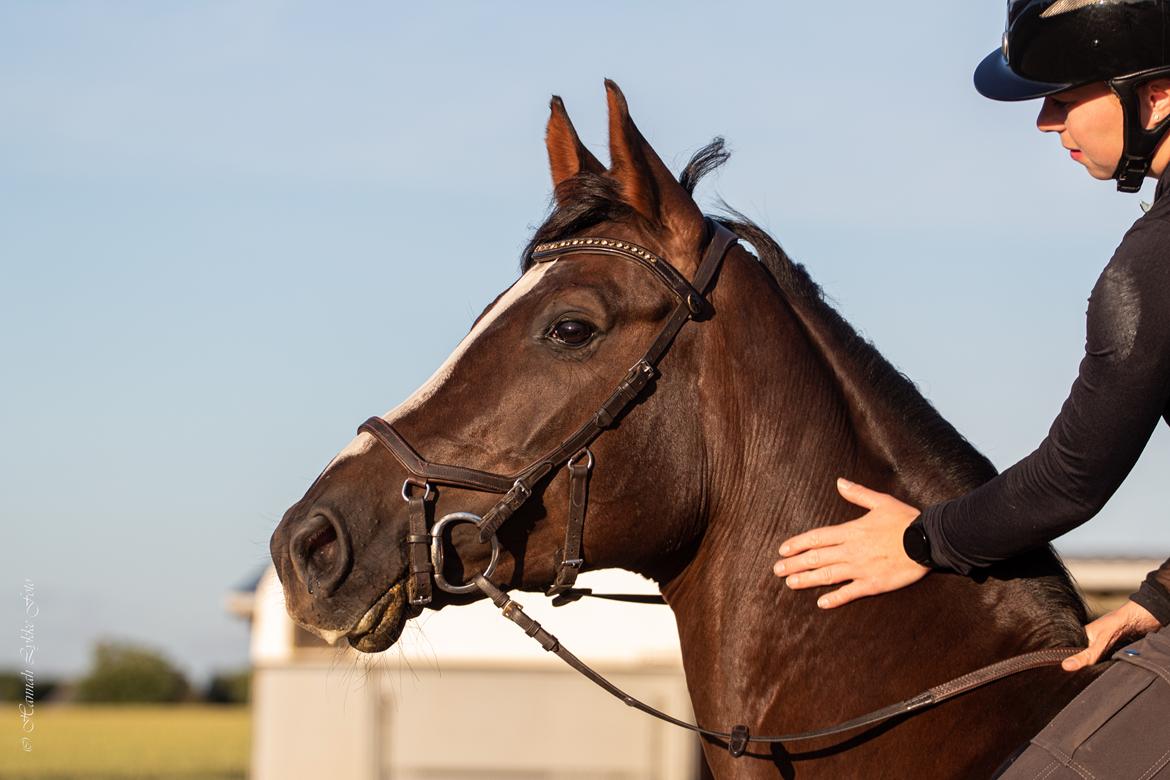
(571, 333)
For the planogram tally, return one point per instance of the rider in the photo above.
(1102, 68)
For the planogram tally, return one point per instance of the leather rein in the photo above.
(425, 547)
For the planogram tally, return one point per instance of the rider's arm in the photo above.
(1122, 390)
(1154, 594)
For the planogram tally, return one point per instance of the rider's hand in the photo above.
(1130, 618)
(867, 551)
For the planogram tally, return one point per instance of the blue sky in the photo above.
(224, 226)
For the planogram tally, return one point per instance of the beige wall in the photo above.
(526, 724)
(335, 719)
(309, 723)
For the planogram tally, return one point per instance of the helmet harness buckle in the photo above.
(1140, 144)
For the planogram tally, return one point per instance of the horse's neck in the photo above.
(798, 425)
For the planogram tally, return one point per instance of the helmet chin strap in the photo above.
(1140, 143)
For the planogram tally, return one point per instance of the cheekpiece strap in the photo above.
(418, 586)
(571, 557)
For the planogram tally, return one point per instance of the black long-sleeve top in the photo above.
(1121, 391)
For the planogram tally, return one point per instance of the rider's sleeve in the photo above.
(1121, 391)
(1154, 594)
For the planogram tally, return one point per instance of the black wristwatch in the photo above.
(917, 544)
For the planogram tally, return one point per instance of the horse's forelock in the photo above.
(588, 198)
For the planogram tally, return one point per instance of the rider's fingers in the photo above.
(1086, 657)
(1099, 641)
(860, 494)
(829, 574)
(813, 559)
(818, 537)
(850, 592)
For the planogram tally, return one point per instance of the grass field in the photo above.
(123, 742)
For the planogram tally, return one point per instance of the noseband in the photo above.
(425, 548)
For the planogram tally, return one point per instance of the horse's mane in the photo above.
(946, 451)
(588, 199)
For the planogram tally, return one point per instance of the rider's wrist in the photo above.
(1154, 597)
(916, 544)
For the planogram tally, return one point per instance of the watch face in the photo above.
(916, 545)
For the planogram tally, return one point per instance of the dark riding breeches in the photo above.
(1116, 729)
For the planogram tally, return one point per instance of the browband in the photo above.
(517, 488)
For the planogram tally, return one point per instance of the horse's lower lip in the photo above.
(373, 615)
(382, 623)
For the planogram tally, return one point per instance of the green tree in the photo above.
(229, 687)
(124, 672)
(12, 686)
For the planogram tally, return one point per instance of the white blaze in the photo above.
(364, 441)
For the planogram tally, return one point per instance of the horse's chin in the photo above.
(382, 624)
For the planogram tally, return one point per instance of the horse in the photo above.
(728, 448)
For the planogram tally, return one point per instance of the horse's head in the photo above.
(537, 366)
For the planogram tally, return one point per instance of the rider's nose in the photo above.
(321, 553)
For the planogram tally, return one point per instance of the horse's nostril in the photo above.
(321, 546)
(320, 556)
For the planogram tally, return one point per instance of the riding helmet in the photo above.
(1053, 45)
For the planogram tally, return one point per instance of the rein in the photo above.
(425, 547)
(739, 737)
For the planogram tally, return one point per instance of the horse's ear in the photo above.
(567, 156)
(646, 183)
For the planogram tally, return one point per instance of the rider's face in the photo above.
(1089, 120)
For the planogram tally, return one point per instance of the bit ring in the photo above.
(437, 553)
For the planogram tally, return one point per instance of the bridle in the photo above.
(426, 547)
